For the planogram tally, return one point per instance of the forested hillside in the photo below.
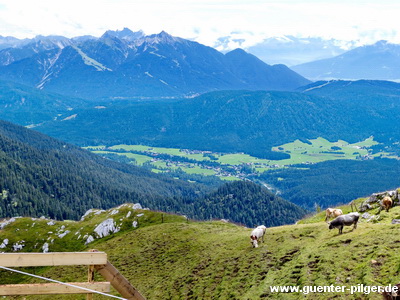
(251, 204)
(228, 121)
(333, 182)
(240, 121)
(28, 106)
(42, 176)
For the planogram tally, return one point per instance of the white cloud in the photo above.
(206, 21)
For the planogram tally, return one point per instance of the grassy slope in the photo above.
(214, 260)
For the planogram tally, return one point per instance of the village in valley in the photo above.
(237, 166)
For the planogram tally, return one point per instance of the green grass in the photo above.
(163, 165)
(369, 142)
(318, 150)
(238, 159)
(140, 159)
(160, 150)
(213, 260)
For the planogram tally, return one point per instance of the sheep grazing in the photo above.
(257, 234)
(332, 213)
(386, 203)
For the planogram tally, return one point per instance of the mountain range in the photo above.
(379, 61)
(125, 64)
(288, 50)
(136, 65)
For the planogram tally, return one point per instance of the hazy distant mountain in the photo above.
(289, 50)
(128, 64)
(380, 61)
(9, 42)
(258, 75)
(83, 38)
(28, 48)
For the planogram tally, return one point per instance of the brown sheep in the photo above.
(387, 203)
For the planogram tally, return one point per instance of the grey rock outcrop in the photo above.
(4, 244)
(376, 198)
(106, 227)
(6, 222)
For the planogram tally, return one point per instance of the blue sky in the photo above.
(205, 21)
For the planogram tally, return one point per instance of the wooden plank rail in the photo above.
(52, 259)
(52, 288)
(94, 259)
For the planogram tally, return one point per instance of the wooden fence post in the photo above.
(119, 282)
(90, 280)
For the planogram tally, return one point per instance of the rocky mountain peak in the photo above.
(124, 34)
(161, 38)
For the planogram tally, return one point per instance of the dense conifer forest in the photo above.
(334, 182)
(251, 204)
